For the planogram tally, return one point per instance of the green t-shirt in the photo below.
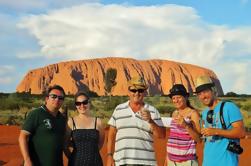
(46, 137)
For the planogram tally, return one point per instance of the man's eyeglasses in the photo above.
(54, 96)
(137, 90)
(78, 103)
(210, 115)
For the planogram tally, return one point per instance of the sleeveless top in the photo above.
(85, 147)
(180, 145)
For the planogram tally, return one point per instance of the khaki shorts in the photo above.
(184, 163)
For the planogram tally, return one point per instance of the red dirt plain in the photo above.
(10, 154)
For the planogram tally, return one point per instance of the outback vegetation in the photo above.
(110, 80)
(15, 106)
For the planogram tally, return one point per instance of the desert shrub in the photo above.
(110, 80)
(246, 106)
(14, 107)
(17, 100)
(166, 111)
(108, 103)
(104, 115)
(11, 120)
(11, 117)
(69, 103)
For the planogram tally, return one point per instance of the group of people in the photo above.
(47, 133)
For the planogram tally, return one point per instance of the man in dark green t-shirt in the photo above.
(42, 136)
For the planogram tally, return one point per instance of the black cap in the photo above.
(178, 89)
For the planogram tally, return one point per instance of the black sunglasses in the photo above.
(54, 96)
(210, 115)
(78, 103)
(137, 90)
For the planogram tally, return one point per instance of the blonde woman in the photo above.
(86, 135)
(184, 130)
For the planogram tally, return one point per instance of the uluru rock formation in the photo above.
(89, 75)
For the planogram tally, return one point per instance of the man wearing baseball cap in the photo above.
(132, 127)
(223, 130)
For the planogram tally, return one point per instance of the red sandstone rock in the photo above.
(89, 74)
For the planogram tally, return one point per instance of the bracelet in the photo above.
(109, 154)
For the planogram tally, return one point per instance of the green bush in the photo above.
(14, 107)
(246, 106)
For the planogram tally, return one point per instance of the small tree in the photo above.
(110, 80)
(231, 94)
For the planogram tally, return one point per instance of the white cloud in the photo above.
(5, 69)
(236, 76)
(6, 72)
(157, 32)
(6, 80)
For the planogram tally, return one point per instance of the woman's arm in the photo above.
(101, 129)
(194, 129)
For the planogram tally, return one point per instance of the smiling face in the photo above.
(82, 104)
(54, 100)
(179, 101)
(206, 97)
(136, 95)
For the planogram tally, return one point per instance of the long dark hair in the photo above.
(189, 104)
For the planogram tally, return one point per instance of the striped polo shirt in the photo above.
(134, 138)
(180, 145)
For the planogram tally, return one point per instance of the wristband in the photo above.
(109, 154)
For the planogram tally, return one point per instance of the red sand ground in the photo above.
(10, 154)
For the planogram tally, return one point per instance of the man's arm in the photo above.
(159, 132)
(111, 145)
(23, 143)
(238, 131)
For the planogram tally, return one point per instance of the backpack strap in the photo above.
(221, 115)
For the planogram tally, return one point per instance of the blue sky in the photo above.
(209, 33)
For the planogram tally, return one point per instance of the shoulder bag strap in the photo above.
(221, 115)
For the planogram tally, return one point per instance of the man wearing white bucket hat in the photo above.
(222, 126)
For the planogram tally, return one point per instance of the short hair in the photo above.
(80, 93)
(50, 88)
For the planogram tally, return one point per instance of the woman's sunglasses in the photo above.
(210, 115)
(78, 103)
